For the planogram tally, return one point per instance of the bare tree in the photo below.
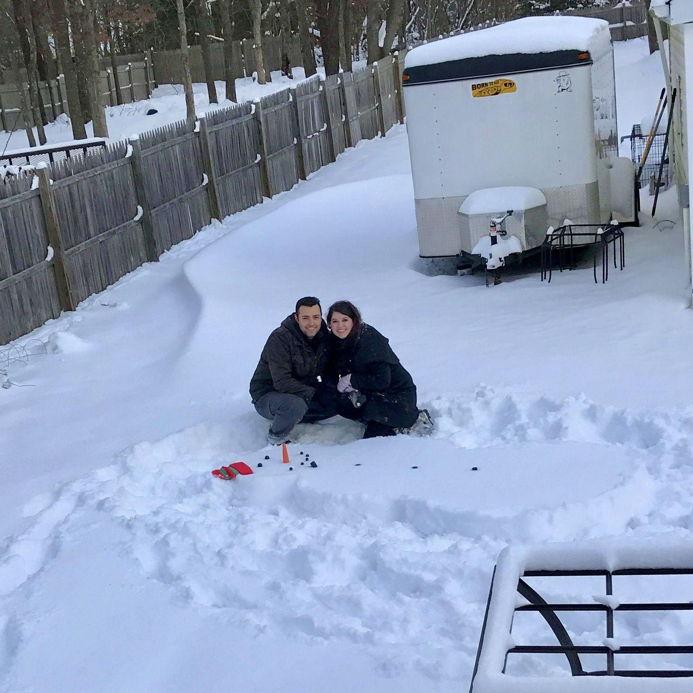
(372, 30)
(327, 13)
(25, 31)
(204, 30)
(61, 38)
(347, 35)
(307, 53)
(11, 59)
(256, 14)
(85, 13)
(185, 62)
(227, 25)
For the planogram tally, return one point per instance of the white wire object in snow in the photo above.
(522, 578)
(18, 355)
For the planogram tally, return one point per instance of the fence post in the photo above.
(208, 166)
(349, 109)
(375, 72)
(328, 121)
(150, 52)
(264, 168)
(109, 81)
(142, 198)
(132, 84)
(50, 217)
(2, 115)
(396, 72)
(147, 85)
(299, 138)
(61, 95)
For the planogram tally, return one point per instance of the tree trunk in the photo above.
(225, 9)
(114, 63)
(81, 58)
(203, 25)
(285, 34)
(185, 62)
(92, 68)
(24, 110)
(651, 33)
(348, 35)
(61, 38)
(26, 33)
(307, 52)
(40, 20)
(372, 30)
(328, 22)
(395, 13)
(256, 14)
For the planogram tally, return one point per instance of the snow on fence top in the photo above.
(527, 35)
(513, 563)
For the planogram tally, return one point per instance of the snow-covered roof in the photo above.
(526, 35)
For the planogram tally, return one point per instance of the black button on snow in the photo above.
(259, 464)
(314, 464)
(266, 457)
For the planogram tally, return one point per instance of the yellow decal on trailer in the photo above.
(498, 86)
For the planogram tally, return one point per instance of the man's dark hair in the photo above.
(346, 308)
(308, 302)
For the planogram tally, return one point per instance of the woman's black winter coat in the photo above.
(377, 373)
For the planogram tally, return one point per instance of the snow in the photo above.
(526, 35)
(490, 200)
(562, 413)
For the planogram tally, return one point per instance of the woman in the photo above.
(374, 387)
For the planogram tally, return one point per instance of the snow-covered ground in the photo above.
(562, 414)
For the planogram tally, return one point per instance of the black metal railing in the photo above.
(572, 652)
(561, 245)
(35, 155)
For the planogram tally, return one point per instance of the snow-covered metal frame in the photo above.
(510, 593)
(559, 244)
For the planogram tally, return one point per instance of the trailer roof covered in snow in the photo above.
(528, 44)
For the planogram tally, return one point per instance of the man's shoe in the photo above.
(274, 439)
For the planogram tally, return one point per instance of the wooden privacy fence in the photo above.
(167, 64)
(135, 81)
(72, 228)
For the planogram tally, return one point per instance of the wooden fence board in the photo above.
(336, 112)
(235, 148)
(353, 120)
(173, 175)
(95, 209)
(366, 103)
(384, 73)
(280, 139)
(312, 125)
(28, 293)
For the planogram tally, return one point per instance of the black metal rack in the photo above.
(35, 155)
(571, 651)
(560, 245)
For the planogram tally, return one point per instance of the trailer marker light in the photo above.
(405, 77)
(584, 55)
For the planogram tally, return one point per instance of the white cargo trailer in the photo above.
(522, 117)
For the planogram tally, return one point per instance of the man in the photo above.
(289, 384)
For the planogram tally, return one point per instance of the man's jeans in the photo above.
(285, 410)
